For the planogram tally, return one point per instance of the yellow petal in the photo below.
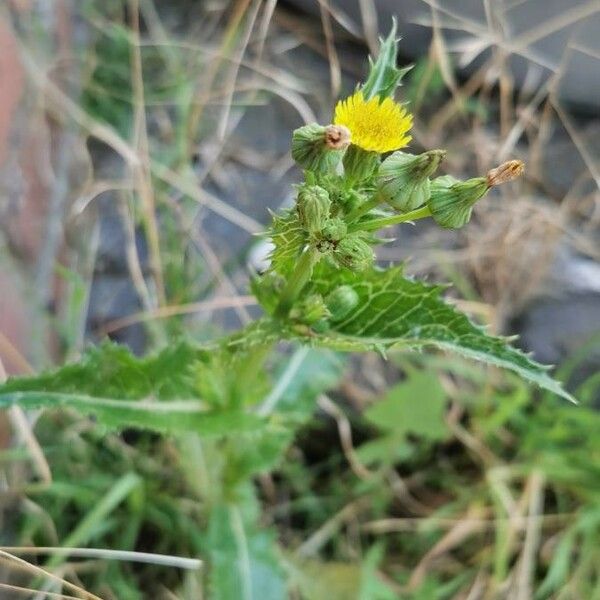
(376, 125)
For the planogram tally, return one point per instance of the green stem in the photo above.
(364, 208)
(298, 279)
(414, 215)
(253, 344)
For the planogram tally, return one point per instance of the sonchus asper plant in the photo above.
(323, 289)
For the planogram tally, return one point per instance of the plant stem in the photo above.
(414, 215)
(364, 208)
(253, 344)
(298, 279)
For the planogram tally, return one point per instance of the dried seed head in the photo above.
(337, 137)
(505, 172)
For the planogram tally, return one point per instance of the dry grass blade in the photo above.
(464, 529)
(322, 535)
(141, 173)
(61, 104)
(164, 560)
(580, 144)
(132, 257)
(524, 583)
(335, 71)
(10, 351)
(17, 591)
(230, 79)
(520, 523)
(368, 14)
(24, 430)
(39, 572)
(164, 312)
(190, 188)
(562, 20)
(460, 22)
(345, 433)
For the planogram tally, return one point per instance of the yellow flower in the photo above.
(375, 125)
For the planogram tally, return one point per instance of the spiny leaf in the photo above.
(396, 311)
(165, 417)
(121, 390)
(289, 238)
(384, 77)
(111, 371)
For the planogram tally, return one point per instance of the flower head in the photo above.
(376, 125)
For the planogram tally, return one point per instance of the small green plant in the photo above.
(323, 290)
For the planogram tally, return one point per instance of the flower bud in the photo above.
(317, 148)
(354, 253)
(334, 230)
(452, 201)
(359, 164)
(403, 179)
(313, 207)
(310, 310)
(341, 302)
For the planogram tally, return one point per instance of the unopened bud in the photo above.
(359, 164)
(334, 230)
(354, 253)
(337, 137)
(313, 207)
(315, 148)
(451, 201)
(403, 179)
(341, 302)
(505, 172)
(310, 310)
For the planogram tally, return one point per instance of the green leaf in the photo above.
(321, 580)
(289, 238)
(243, 561)
(121, 390)
(373, 586)
(163, 417)
(384, 77)
(336, 580)
(385, 450)
(99, 511)
(394, 311)
(415, 406)
(111, 371)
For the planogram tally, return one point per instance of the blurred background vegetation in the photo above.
(141, 144)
